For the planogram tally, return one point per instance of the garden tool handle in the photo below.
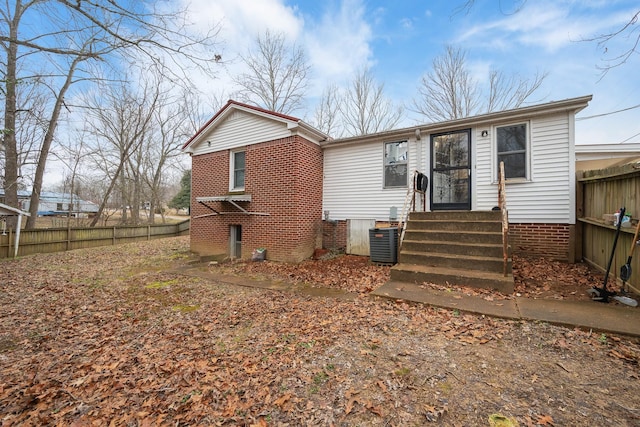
(634, 241)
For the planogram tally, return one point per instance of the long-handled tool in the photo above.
(602, 294)
(625, 270)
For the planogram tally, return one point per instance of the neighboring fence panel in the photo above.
(602, 192)
(47, 240)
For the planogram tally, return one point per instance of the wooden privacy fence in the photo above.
(599, 194)
(64, 239)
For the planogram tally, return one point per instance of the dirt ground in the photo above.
(118, 336)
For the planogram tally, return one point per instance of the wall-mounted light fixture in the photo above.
(485, 133)
(209, 143)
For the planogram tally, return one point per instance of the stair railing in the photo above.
(502, 204)
(409, 205)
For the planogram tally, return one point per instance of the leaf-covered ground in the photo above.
(534, 277)
(116, 336)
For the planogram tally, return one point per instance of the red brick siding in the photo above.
(547, 240)
(284, 179)
(210, 177)
(334, 235)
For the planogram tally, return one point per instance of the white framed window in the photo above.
(512, 148)
(237, 170)
(396, 159)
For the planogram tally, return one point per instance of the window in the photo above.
(237, 170)
(512, 144)
(395, 164)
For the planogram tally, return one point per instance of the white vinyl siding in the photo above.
(239, 130)
(547, 197)
(353, 182)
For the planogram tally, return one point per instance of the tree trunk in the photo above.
(10, 144)
(46, 144)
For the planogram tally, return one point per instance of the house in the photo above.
(266, 180)
(256, 182)
(53, 203)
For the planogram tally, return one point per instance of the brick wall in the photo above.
(334, 235)
(284, 179)
(548, 240)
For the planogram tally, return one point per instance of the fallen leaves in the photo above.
(111, 335)
(348, 272)
(537, 277)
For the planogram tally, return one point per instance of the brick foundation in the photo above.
(334, 235)
(547, 240)
(284, 179)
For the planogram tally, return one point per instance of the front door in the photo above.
(451, 170)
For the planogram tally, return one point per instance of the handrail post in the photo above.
(502, 204)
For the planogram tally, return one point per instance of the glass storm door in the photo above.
(451, 171)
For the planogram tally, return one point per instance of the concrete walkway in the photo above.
(610, 317)
(605, 317)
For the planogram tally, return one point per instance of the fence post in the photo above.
(114, 236)
(578, 230)
(148, 232)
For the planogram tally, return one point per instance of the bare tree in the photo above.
(70, 36)
(72, 155)
(624, 32)
(29, 131)
(171, 126)
(365, 109)
(327, 112)
(119, 122)
(507, 92)
(277, 76)
(450, 92)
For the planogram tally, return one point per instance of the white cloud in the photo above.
(336, 40)
(406, 23)
(243, 20)
(339, 43)
(543, 26)
(549, 25)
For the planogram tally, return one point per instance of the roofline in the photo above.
(321, 136)
(571, 104)
(608, 148)
(263, 112)
(12, 209)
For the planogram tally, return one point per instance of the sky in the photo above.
(399, 40)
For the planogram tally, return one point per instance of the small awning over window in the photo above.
(227, 198)
(232, 199)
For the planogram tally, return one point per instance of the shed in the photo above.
(6, 210)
